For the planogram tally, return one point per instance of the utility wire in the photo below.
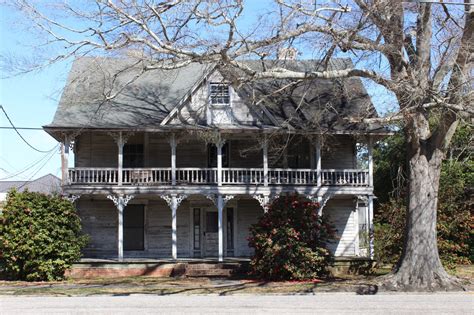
(37, 171)
(29, 167)
(19, 134)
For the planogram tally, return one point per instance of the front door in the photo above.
(211, 237)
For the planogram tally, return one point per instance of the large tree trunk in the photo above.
(419, 267)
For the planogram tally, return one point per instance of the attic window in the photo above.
(219, 94)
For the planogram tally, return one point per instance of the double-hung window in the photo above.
(219, 94)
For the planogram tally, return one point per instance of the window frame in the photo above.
(219, 95)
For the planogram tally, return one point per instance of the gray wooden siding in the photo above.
(341, 213)
(95, 150)
(99, 221)
(338, 152)
(245, 153)
(100, 150)
(248, 212)
(158, 151)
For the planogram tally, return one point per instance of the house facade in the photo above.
(179, 163)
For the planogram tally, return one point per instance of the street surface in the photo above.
(320, 303)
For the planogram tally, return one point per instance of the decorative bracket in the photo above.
(212, 198)
(227, 198)
(262, 200)
(120, 138)
(120, 201)
(169, 199)
(324, 200)
(72, 198)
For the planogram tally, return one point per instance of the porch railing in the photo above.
(208, 176)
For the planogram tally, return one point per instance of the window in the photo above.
(133, 155)
(219, 94)
(212, 155)
(212, 222)
(134, 227)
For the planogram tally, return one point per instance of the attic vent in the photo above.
(288, 53)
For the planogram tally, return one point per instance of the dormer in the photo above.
(219, 104)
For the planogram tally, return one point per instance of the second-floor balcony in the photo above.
(210, 176)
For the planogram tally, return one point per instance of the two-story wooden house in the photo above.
(179, 163)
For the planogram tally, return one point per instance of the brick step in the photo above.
(213, 266)
(212, 270)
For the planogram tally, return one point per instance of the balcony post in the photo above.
(317, 159)
(265, 161)
(173, 145)
(220, 220)
(121, 140)
(370, 161)
(219, 145)
(65, 160)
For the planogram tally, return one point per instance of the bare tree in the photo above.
(422, 53)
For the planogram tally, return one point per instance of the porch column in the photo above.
(120, 202)
(173, 144)
(220, 220)
(65, 160)
(370, 210)
(174, 235)
(265, 161)
(317, 159)
(219, 145)
(370, 161)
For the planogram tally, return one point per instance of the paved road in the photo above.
(324, 303)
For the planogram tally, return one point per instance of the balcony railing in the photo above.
(209, 176)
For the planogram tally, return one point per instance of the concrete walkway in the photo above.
(320, 303)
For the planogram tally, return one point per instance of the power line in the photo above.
(37, 171)
(21, 128)
(32, 165)
(19, 134)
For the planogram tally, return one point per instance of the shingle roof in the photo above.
(143, 101)
(47, 184)
(320, 104)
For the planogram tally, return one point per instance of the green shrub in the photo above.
(290, 241)
(454, 223)
(39, 236)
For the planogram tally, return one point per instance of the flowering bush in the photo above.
(39, 236)
(290, 241)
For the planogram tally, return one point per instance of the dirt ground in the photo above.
(171, 286)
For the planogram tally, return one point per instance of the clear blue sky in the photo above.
(31, 100)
